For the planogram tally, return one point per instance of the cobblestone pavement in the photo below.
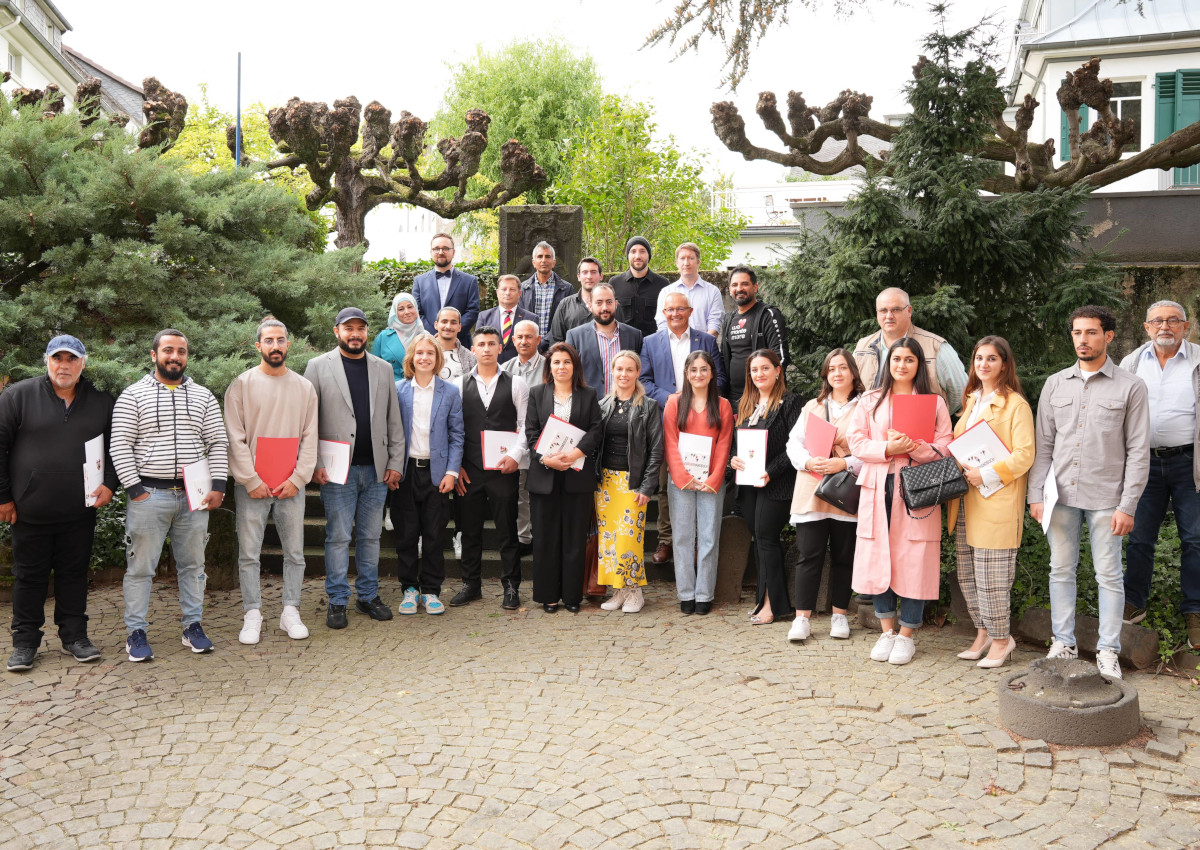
(488, 729)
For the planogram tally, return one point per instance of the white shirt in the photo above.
(681, 347)
(706, 301)
(1172, 399)
(991, 477)
(520, 399)
(443, 285)
(422, 414)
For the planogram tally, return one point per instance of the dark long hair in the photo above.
(576, 366)
(856, 384)
(1008, 381)
(712, 405)
(750, 394)
(921, 384)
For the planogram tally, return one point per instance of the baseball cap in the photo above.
(66, 342)
(350, 313)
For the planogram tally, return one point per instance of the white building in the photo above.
(1152, 57)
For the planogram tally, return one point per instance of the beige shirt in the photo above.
(260, 405)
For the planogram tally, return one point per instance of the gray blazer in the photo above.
(335, 418)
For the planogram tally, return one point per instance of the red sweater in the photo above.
(697, 423)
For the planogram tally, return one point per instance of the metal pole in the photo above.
(237, 153)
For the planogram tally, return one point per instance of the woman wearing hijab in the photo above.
(404, 326)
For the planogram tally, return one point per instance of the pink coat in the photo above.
(908, 558)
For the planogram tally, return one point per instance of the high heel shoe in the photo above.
(1003, 659)
(975, 655)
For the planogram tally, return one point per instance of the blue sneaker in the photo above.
(409, 603)
(432, 604)
(137, 647)
(196, 640)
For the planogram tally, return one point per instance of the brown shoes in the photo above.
(663, 553)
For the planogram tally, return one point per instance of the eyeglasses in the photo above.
(892, 311)
(1172, 322)
(676, 309)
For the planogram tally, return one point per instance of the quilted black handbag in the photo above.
(931, 484)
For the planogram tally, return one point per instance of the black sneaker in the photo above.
(512, 599)
(335, 617)
(21, 658)
(375, 609)
(687, 606)
(83, 650)
(703, 608)
(469, 593)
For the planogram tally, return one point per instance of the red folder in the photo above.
(819, 437)
(915, 415)
(275, 459)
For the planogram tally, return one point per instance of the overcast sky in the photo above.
(398, 53)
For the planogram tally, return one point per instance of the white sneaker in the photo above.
(1108, 665)
(903, 650)
(634, 601)
(387, 520)
(1058, 649)
(289, 621)
(883, 647)
(251, 627)
(615, 601)
(839, 627)
(457, 543)
(800, 629)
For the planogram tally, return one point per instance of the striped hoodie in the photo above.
(156, 431)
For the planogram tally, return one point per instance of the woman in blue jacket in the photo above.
(404, 326)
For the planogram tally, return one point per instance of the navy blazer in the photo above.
(528, 301)
(493, 318)
(463, 296)
(446, 431)
(583, 338)
(658, 369)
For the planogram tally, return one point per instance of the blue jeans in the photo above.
(251, 524)
(1066, 523)
(147, 524)
(912, 611)
(356, 506)
(696, 525)
(1171, 483)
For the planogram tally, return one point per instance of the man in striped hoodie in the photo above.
(161, 424)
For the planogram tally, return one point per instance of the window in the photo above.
(14, 64)
(1176, 105)
(1126, 102)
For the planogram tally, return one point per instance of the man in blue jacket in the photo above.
(446, 286)
(663, 354)
(544, 290)
(44, 423)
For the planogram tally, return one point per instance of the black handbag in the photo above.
(931, 484)
(839, 489)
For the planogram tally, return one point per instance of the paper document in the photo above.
(695, 450)
(93, 468)
(819, 437)
(979, 446)
(752, 449)
(496, 445)
(334, 457)
(197, 482)
(1049, 499)
(559, 436)
(275, 459)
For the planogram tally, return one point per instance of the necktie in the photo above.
(506, 327)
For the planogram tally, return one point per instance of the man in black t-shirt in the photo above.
(753, 325)
(637, 288)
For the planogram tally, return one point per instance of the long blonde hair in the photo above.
(639, 392)
(750, 394)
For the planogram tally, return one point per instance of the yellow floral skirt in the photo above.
(621, 530)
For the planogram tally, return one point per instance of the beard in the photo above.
(353, 346)
(275, 357)
(171, 371)
(605, 319)
(743, 298)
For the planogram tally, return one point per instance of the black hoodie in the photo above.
(41, 448)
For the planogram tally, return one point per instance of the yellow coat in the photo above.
(996, 522)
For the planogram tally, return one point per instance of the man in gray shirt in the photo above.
(1093, 436)
(528, 365)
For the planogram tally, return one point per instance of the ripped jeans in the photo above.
(147, 524)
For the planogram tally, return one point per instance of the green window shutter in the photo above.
(1187, 102)
(1064, 151)
(1164, 105)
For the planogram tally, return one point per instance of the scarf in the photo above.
(405, 333)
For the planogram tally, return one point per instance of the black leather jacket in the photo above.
(645, 443)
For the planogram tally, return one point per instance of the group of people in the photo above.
(560, 414)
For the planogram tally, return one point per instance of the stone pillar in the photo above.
(522, 227)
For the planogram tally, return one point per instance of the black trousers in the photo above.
(560, 532)
(63, 549)
(420, 512)
(812, 538)
(490, 493)
(766, 518)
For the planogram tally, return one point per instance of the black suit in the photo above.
(561, 503)
(494, 318)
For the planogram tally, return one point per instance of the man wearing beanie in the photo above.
(637, 287)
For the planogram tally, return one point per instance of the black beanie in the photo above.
(638, 240)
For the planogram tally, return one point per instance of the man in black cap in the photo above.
(44, 424)
(356, 397)
(637, 287)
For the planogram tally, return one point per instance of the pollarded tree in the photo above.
(383, 166)
(111, 243)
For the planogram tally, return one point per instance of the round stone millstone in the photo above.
(1067, 701)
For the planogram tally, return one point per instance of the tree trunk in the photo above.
(351, 205)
